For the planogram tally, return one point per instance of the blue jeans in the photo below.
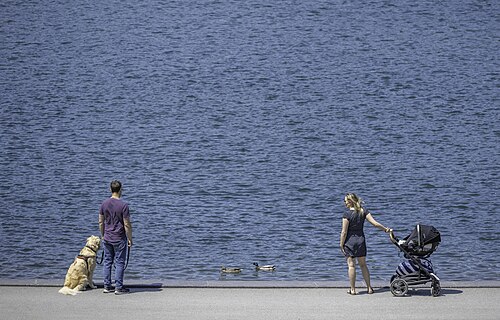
(114, 253)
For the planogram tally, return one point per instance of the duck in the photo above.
(230, 270)
(268, 267)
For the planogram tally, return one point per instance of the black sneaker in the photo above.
(108, 290)
(122, 291)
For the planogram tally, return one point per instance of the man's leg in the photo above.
(109, 256)
(120, 256)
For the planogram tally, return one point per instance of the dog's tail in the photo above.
(68, 291)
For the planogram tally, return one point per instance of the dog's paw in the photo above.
(92, 286)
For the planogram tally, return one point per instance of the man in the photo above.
(116, 231)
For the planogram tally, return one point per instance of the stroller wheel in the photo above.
(399, 287)
(435, 289)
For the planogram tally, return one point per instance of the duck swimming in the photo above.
(230, 270)
(264, 268)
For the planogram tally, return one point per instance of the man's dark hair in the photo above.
(116, 186)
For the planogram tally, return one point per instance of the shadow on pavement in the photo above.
(152, 287)
(422, 292)
(143, 289)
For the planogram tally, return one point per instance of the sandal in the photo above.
(370, 290)
(352, 293)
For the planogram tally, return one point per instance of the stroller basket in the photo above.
(422, 241)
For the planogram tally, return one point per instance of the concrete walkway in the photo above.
(249, 300)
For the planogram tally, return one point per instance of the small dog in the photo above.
(80, 273)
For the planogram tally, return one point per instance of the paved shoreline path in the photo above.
(242, 300)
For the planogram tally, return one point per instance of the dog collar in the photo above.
(91, 249)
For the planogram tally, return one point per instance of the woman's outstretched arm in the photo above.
(375, 223)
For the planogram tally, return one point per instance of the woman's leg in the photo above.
(351, 263)
(365, 272)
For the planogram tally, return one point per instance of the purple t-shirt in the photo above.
(114, 211)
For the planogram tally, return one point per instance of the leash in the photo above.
(128, 256)
(126, 263)
(102, 258)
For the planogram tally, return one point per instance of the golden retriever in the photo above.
(81, 271)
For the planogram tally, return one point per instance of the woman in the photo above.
(352, 239)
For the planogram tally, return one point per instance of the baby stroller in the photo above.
(418, 269)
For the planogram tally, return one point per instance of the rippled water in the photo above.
(238, 126)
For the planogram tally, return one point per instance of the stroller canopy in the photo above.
(423, 240)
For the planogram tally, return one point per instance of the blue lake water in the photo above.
(237, 127)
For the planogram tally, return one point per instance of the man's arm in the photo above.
(128, 230)
(101, 225)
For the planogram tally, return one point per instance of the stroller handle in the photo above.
(393, 238)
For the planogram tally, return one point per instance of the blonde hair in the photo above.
(356, 201)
